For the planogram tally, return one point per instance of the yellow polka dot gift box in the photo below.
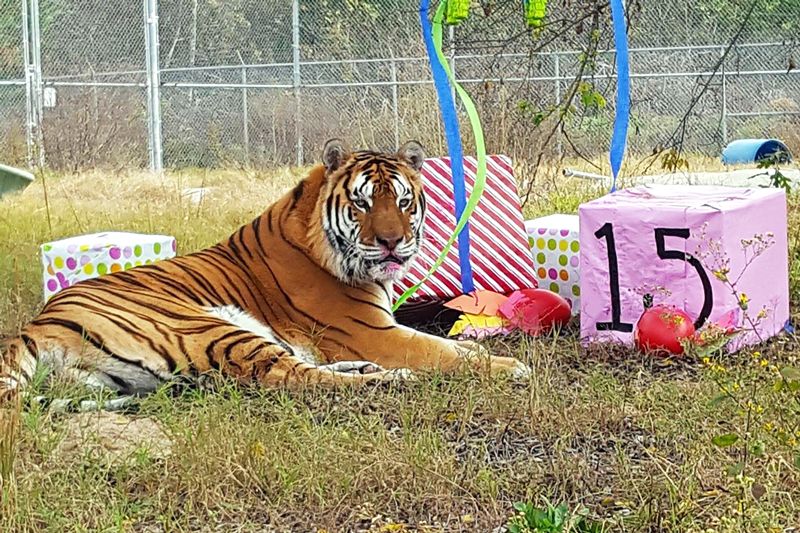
(554, 245)
(68, 261)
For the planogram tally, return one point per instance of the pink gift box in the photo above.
(674, 242)
(499, 254)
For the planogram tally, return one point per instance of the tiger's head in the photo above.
(372, 208)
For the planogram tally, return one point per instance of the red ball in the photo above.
(661, 328)
(536, 311)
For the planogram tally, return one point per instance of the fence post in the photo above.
(296, 78)
(36, 48)
(245, 113)
(30, 119)
(395, 106)
(34, 86)
(724, 100)
(245, 125)
(153, 85)
(557, 76)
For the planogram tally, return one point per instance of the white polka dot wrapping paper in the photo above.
(554, 242)
(68, 261)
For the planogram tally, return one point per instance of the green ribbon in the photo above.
(480, 147)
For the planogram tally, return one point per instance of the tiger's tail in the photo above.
(17, 366)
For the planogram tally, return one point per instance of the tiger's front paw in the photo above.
(396, 374)
(471, 349)
(480, 359)
(402, 374)
(353, 367)
(521, 371)
(510, 367)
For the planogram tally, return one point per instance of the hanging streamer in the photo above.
(433, 43)
(618, 139)
(457, 10)
(534, 12)
(432, 35)
(439, 69)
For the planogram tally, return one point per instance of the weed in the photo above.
(761, 395)
(551, 519)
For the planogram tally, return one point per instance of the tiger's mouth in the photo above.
(392, 259)
(389, 267)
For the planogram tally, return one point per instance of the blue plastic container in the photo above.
(755, 151)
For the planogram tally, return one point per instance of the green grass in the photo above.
(624, 435)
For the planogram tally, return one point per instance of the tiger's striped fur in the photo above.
(301, 295)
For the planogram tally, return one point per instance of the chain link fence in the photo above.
(266, 82)
(12, 86)
(93, 53)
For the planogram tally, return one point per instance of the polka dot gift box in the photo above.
(554, 245)
(71, 260)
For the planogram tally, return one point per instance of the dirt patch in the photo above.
(113, 437)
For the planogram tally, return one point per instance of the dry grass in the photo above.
(624, 435)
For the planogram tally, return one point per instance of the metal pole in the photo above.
(95, 100)
(557, 76)
(29, 112)
(153, 85)
(724, 100)
(395, 106)
(193, 44)
(38, 86)
(296, 78)
(245, 114)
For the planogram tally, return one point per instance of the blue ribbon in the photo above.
(454, 149)
(623, 111)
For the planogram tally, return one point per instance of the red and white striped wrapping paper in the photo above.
(500, 256)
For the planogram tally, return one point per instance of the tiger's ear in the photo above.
(413, 154)
(334, 154)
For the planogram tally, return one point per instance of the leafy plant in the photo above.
(673, 161)
(550, 519)
(761, 398)
(777, 178)
(590, 97)
(536, 115)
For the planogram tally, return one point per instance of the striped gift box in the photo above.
(499, 254)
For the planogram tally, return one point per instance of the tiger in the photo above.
(300, 296)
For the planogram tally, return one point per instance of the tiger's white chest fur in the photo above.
(244, 320)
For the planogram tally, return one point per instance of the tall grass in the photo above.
(9, 430)
(624, 435)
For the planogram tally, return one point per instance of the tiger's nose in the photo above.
(389, 242)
